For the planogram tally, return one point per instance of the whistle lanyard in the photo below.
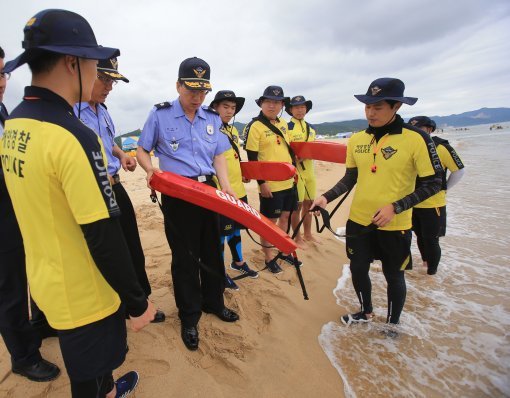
(377, 148)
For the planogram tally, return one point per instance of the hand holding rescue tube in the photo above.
(213, 199)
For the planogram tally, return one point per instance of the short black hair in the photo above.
(2, 53)
(44, 62)
(392, 103)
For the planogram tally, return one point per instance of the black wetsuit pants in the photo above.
(130, 229)
(193, 228)
(429, 224)
(393, 249)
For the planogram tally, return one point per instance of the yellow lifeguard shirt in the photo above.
(235, 176)
(400, 159)
(450, 161)
(270, 147)
(55, 171)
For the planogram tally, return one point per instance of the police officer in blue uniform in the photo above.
(187, 140)
(95, 115)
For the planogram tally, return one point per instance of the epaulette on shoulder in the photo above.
(209, 109)
(103, 105)
(163, 105)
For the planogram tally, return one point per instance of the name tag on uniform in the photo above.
(210, 129)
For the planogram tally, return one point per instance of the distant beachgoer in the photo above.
(267, 139)
(302, 131)
(186, 138)
(228, 105)
(78, 264)
(429, 216)
(95, 115)
(21, 339)
(384, 162)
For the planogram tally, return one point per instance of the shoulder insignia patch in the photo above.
(163, 105)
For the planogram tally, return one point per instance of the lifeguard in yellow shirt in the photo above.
(228, 105)
(394, 167)
(429, 216)
(267, 139)
(302, 131)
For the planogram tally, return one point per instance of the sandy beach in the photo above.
(273, 351)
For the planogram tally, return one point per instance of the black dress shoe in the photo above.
(41, 371)
(190, 337)
(159, 317)
(226, 314)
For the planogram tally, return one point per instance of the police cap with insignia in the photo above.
(195, 74)
(422, 121)
(62, 32)
(110, 67)
(228, 95)
(386, 88)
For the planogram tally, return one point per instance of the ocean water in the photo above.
(454, 337)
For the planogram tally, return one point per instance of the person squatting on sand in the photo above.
(78, 264)
(302, 131)
(21, 339)
(394, 167)
(95, 115)
(429, 216)
(228, 105)
(267, 139)
(186, 138)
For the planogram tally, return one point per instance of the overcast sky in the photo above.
(453, 55)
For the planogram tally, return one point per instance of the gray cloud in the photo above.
(450, 54)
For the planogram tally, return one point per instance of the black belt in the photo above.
(202, 178)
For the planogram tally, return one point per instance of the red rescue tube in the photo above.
(320, 150)
(269, 171)
(213, 199)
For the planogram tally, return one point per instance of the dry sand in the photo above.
(272, 351)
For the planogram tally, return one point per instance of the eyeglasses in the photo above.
(5, 75)
(107, 80)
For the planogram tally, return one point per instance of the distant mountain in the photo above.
(471, 118)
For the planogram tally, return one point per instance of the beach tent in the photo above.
(129, 143)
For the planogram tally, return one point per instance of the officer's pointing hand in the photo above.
(139, 322)
(128, 163)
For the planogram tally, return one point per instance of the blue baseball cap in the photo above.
(195, 74)
(386, 88)
(62, 32)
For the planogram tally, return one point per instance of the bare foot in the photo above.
(300, 242)
(311, 238)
